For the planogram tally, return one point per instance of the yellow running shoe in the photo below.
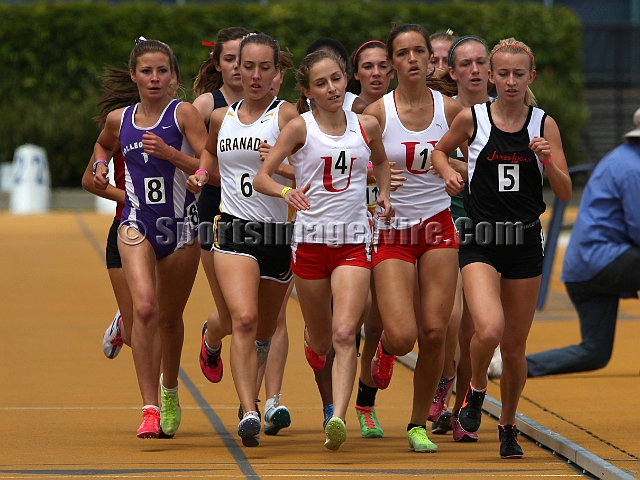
(170, 411)
(336, 433)
(419, 442)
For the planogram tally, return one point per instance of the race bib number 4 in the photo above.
(337, 170)
(154, 192)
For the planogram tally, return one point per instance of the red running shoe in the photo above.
(440, 398)
(382, 368)
(210, 363)
(315, 361)
(150, 426)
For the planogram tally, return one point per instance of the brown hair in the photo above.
(209, 78)
(262, 39)
(304, 71)
(354, 85)
(118, 88)
(440, 82)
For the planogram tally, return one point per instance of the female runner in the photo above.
(511, 142)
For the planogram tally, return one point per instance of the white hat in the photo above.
(635, 133)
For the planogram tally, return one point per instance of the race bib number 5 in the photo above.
(508, 177)
(154, 190)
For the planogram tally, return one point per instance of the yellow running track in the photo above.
(67, 412)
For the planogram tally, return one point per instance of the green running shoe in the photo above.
(369, 426)
(419, 442)
(170, 411)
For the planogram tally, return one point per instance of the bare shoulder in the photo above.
(113, 120)
(217, 116)
(186, 108)
(376, 109)
(288, 111)
(550, 122)
(451, 105)
(368, 122)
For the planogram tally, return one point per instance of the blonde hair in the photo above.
(515, 47)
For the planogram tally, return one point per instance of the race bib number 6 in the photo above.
(154, 190)
(244, 185)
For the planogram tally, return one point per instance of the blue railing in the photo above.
(551, 240)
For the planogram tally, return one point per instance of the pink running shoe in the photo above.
(210, 363)
(315, 361)
(439, 399)
(382, 368)
(150, 426)
(459, 433)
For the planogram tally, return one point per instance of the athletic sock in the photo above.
(212, 351)
(366, 395)
(170, 390)
(414, 425)
(475, 390)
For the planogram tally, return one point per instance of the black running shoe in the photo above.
(509, 445)
(471, 411)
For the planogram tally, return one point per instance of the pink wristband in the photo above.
(548, 160)
(202, 170)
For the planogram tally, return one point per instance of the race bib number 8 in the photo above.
(508, 177)
(154, 190)
(244, 185)
(192, 215)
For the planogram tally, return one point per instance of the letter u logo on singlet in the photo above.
(418, 156)
(337, 171)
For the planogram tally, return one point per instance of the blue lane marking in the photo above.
(236, 452)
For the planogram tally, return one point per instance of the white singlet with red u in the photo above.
(422, 195)
(336, 168)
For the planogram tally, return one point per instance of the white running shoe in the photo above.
(495, 367)
(249, 429)
(112, 339)
(276, 416)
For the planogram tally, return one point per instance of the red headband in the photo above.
(205, 43)
(512, 45)
(368, 42)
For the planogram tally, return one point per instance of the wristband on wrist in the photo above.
(98, 161)
(284, 191)
(201, 170)
(548, 160)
